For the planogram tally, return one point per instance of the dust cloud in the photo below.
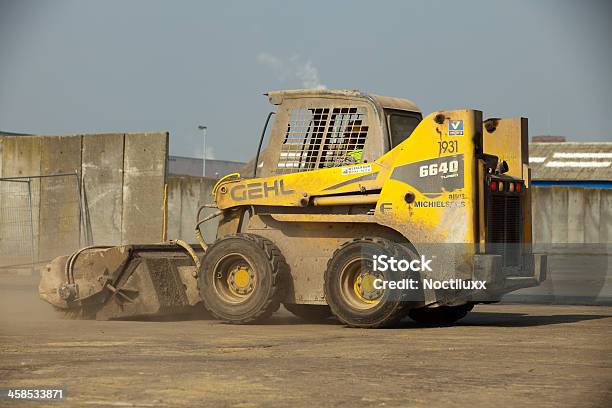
(19, 299)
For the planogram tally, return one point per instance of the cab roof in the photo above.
(388, 102)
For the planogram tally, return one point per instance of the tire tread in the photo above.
(279, 267)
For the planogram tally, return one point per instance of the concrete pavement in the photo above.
(500, 355)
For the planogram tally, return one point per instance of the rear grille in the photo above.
(504, 227)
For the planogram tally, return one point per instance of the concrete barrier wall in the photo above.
(117, 195)
(572, 215)
(59, 207)
(573, 225)
(185, 195)
(103, 186)
(144, 176)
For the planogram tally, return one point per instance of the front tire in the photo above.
(350, 288)
(240, 278)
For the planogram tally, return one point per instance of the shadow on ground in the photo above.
(523, 319)
(475, 318)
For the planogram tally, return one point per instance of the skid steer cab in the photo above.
(358, 207)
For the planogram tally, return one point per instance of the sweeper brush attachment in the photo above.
(122, 282)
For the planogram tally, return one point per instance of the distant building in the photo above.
(191, 166)
(571, 164)
(548, 139)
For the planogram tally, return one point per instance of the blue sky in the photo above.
(103, 66)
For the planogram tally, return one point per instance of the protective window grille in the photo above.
(323, 137)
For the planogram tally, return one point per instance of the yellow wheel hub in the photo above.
(241, 280)
(364, 288)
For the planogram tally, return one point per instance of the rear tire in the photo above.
(440, 316)
(349, 284)
(240, 278)
(310, 313)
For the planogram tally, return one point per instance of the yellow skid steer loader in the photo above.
(358, 207)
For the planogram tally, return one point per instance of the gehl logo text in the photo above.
(254, 191)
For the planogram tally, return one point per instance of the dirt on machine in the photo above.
(358, 207)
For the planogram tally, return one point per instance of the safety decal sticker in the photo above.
(364, 168)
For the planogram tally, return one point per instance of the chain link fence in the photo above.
(17, 235)
(41, 217)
